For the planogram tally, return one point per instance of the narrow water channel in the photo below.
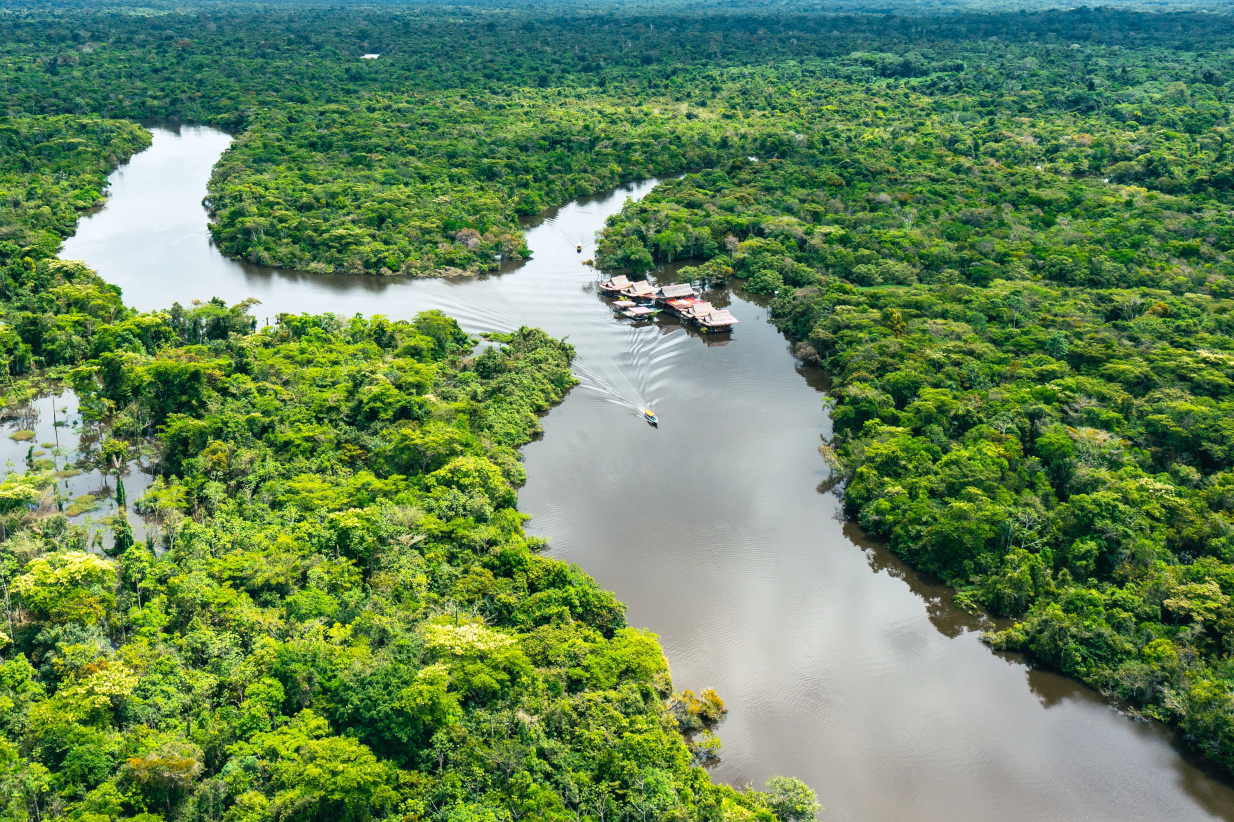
(838, 665)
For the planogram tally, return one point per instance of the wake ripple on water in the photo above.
(592, 380)
(650, 354)
(711, 531)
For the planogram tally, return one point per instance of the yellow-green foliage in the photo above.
(70, 586)
(345, 618)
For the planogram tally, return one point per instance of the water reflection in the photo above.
(939, 599)
(838, 664)
(1053, 689)
(48, 433)
(815, 377)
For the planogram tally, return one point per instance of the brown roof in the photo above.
(721, 317)
(700, 309)
(640, 289)
(677, 290)
(617, 282)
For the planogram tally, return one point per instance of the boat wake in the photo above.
(639, 381)
(593, 380)
(650, 354)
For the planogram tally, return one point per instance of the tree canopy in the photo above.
(1007, 236)
(336, 613)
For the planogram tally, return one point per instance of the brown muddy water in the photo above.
(838, 664)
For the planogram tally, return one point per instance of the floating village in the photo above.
(640, 300)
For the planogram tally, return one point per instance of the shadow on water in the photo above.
(1198, 777)
(838, 663)
(939, 598)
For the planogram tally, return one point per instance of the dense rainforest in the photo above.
(336, 613)
(421, 161)
(1026, 312)
(1008, 237)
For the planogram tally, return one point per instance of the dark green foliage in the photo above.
(418, 162)
(433, 185)
(51, 168)
(1024, 305)
(1008, 237)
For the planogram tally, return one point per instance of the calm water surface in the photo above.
(838, 665)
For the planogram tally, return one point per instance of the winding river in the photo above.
(838, 665)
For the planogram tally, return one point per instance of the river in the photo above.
(838, 665)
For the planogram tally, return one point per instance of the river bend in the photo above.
(838, 665)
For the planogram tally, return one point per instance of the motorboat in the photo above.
(651, 418)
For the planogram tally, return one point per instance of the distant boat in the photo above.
(578, 247)
(651, 418)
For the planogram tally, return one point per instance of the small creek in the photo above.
(838, 664)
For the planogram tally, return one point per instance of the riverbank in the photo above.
(1044, 426)
(343, 576)
(837, 665)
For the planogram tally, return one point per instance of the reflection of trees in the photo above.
(817, 378)
(99, 451)
(1053, 689)
(832, 484)
(24, 412)
(699, 715)
(950, 620)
